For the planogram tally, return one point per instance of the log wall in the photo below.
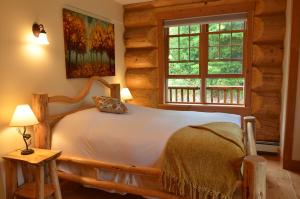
(141, 58)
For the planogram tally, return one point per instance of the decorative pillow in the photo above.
(109, 105)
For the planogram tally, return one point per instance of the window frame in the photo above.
(203, 61)
(247, 50)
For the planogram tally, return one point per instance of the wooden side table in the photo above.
(37, 190)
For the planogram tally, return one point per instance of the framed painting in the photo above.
(89, 45)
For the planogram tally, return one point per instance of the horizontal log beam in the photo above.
(270, 69)
(111, 166)
(267, 126)
(266, 81)
(268, 134)
(180, 4)
(139, 18)
(145, 37)
(142, 78)
(141, 58)
(164, 3)
(138, 6)
(144, 97)
(269, 29)
(267, 55)
(123, 188)
(268, 7)
(265, 104)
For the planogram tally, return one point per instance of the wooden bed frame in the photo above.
(253, 183)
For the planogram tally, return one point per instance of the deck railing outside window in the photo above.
(228, 95)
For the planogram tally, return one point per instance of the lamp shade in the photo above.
(42, 39)
(23, 116)
(125, 94)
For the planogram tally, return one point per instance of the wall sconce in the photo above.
(40, 33)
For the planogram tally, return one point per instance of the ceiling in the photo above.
(124, 2)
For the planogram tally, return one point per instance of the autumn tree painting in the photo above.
(89, 46)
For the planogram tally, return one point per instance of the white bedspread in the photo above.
(137, 137)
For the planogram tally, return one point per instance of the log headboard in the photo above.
(40, 103)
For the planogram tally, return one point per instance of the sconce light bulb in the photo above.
(42, 39)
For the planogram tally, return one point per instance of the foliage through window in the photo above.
(205, 63)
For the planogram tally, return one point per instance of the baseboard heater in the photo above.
(268, 147)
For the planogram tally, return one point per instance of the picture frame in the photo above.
(89, 45)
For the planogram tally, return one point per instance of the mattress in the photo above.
(135, 138)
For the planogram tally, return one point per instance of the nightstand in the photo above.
(39, 189)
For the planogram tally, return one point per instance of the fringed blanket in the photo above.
(203, 162)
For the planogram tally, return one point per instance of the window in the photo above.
(205, 62)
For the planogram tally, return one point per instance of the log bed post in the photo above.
(42, 130)
(254, 177)
(254, 170)
(115, 91)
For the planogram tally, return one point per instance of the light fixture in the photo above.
(23, 117)
(125, 94)
(40, 33)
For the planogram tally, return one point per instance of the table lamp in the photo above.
(23, 117)
(125, 94)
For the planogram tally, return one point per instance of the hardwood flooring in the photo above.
(281, 184)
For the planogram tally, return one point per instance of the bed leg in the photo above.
(254, 185)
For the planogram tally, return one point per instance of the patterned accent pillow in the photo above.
(109, 105)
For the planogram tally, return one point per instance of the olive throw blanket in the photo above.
(203, 162)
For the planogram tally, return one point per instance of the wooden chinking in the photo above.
(267, 49)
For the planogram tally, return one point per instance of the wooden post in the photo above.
(231, 96)
(250, 119)
(225, 95)
(115, 91)
(254, 186)
(41, 130)
(40, 181)
(249, 128)
(54, 179)
(11, 178)
(194, 95)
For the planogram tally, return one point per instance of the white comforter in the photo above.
(136, 138)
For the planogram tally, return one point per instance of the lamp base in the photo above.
(27, 151)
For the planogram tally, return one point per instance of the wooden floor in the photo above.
(282, 184)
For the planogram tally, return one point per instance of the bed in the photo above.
(115, 159)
